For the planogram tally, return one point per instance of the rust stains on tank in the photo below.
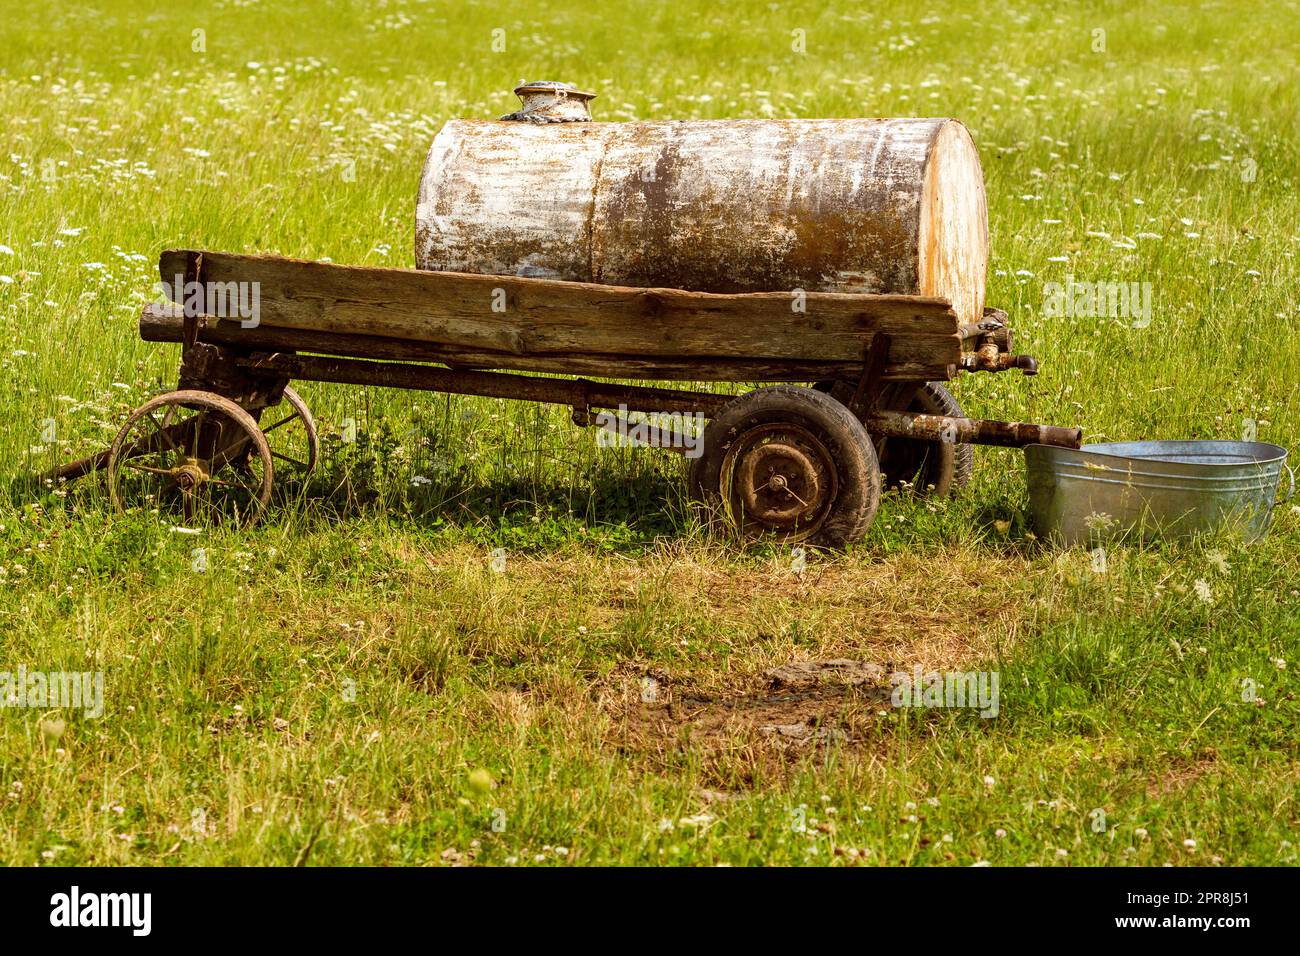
(713, 206)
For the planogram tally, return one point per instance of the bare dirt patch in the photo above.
(1181, 774)
(747, 667)
(761, 725)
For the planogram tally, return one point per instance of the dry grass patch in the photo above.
(1182, 773)
(938, 610)
(689, 656)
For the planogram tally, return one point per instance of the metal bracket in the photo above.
(866, 397)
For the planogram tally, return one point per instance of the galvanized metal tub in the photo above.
(1140, 490)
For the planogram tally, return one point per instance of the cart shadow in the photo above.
(26, 488)
(1004, 528)
(620, 511)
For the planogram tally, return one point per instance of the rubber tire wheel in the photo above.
(853, 508)
(943, 467)
(940, 468)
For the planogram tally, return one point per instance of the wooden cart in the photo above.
(789, 461)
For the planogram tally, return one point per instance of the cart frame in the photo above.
(230, 372)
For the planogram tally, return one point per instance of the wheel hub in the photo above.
(778, 484)
(782, 479)
(190, 474)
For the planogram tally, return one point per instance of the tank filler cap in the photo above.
(548, 101)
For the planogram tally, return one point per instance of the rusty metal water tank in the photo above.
(826, 205)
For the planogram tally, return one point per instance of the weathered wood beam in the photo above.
(165, 324)
(538, 319)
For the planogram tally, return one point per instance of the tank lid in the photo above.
(550, 101)
(542, 86)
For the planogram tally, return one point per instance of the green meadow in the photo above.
(473, 636)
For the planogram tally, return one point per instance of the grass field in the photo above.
(359, 680)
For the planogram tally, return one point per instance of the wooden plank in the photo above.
(164, 324)
(533, 319)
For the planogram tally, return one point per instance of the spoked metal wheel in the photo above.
(195, 454)
(791, 465)
(292, 434)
